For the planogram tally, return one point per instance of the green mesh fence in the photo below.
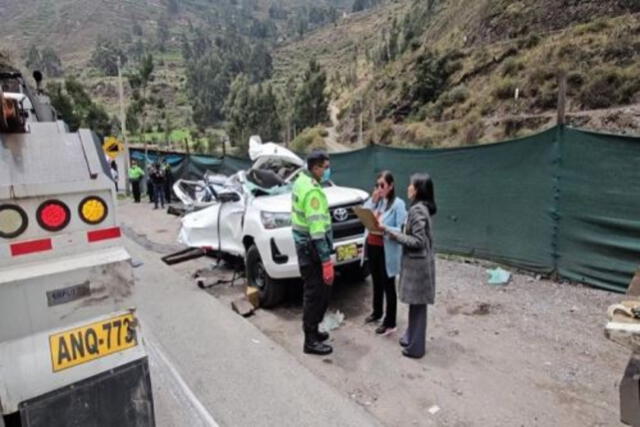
(563, 201)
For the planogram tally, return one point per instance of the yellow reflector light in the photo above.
(13, 221)
(93, 210)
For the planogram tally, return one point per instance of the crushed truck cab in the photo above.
(71, 350)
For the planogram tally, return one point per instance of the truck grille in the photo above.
(345, 223)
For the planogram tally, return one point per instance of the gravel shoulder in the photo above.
(531, 353)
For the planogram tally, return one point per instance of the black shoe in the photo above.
(372, 318)
(322, 336)
(403, 343)
(385, 330)
(317, 348)
(405, 353)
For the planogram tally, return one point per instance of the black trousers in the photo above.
(416, 334)
(135, 188)
(315, 296)
(167, 190)
(383, 286)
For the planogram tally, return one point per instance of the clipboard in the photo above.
(368, 219)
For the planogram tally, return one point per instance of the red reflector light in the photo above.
(33, 246)
(107, 233)
(53, 215)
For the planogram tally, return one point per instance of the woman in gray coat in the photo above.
(417, 273)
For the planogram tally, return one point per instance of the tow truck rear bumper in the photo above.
(119, 397)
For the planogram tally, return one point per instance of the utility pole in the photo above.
(123, 127)
(562, 97)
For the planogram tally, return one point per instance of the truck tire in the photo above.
(271, 291)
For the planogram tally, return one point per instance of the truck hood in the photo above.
(336, 195)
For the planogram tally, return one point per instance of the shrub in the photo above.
(575, 79)
(540, 75)
(511, 67)
(592, 27)
(505, 88)
(547, 97)
(458, 94)
(308, 140)
(609, 86)
(530, 42)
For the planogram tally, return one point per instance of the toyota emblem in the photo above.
(341, 214)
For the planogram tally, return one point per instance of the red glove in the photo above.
(328, 273)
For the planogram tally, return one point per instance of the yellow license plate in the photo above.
(86, 343)
(346, 252)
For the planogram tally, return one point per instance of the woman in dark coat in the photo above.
(417, 273)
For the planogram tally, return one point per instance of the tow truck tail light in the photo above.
(53, 215)
(93, 210)
(13, 221)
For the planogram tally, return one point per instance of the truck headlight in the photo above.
(273, 220)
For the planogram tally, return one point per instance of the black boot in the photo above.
(322, 336)
(313, 346)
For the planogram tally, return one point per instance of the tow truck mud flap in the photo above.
(119, 397)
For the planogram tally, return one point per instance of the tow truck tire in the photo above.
(271, 291)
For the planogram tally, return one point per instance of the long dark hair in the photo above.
(388, 178)
(423, 184)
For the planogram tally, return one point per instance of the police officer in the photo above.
(312, 234)
(135, 176)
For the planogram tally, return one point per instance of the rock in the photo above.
(242, 306)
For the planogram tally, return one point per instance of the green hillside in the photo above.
(425, 73)
(444, 73)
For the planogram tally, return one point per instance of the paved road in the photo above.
(211, 366)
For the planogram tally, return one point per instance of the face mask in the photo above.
(326, 176)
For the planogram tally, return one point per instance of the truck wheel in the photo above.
(271, 291)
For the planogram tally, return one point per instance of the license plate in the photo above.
(86, 343)
(346, 252)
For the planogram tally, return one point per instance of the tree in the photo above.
(136, 29)
(251, 111)
(260, 65)
(311, 102)
(105, 56)
(46, 61)
(77, 109)
(172, 7)
(162, 33)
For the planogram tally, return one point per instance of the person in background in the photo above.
(158, 182)
(150, 186)
(114, 173)
(384, 254)
(312, 234)
(418, 274)
(168, 180)
(135, 176)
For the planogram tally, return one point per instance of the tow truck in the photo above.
(71, 348)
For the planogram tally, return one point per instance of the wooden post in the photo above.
(562, 97)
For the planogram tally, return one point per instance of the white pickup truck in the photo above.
(250, 217)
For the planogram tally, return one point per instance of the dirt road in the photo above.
(531, 353)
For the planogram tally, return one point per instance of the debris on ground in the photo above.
(434, 409)
(331, 321)
(243, 307)
(183, 255)
(253, 295)
(498, 276)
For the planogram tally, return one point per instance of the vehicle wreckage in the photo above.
(248, 215)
